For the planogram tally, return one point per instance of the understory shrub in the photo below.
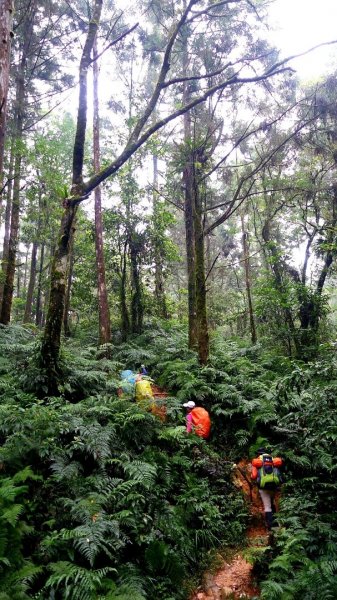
(100, 499)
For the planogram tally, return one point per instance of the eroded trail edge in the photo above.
(235, 578)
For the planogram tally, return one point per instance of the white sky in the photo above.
(301, 25)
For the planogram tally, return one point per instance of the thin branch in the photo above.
(136, 139)
(291, 57)
(258, 192)
(263, 162)
(212, 266)
(212, 7)
(196, 77)
(162, 75)
(114, 42)
(152, 187)
(134, 144)
(246, 134)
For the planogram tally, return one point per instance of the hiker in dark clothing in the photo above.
(265, 471)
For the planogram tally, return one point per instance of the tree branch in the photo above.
(114, 42)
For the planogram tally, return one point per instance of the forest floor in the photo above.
(235, 579)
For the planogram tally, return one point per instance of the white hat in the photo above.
(189, 404)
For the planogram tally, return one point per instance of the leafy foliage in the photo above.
(100, 499)
(112, 485)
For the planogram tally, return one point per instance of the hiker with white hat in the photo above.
(197, 420)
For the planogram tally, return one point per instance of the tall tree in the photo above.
(38, 35)
(158, 242)
(6, 16)
(25, 50)
(224, 77)
(245, 247)
(103, 304)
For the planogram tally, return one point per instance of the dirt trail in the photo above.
(235, 579)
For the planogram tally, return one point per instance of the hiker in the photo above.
(143, 370)
(197, 420)
(143, 389)
(265, 471)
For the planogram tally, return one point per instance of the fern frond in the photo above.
(76, 583)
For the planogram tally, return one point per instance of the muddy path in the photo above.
(235, 579)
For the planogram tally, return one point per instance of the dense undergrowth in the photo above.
(100, 500)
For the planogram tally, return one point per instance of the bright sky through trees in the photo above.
(302, 24)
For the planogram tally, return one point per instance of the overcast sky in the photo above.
(303, 24)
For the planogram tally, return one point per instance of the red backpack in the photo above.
(201, 422)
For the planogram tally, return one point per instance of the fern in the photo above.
(142, 473)
(76, 583)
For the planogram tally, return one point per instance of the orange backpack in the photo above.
(201, 422)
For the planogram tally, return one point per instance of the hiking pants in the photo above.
(267, 497)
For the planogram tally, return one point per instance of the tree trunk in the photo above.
(125, 320)
(51, 342)
(31, 286)
(277, 272)
(159, 289)
(200, 276)
(66, 327)
(48, 254)
(25, 273)
(38, 310)
(137, 308)
(15, 216)
(189, 209)
(8, 288)
(103, 304)
(247, 280)
(6, 15)
(7, 224)
(18, 281)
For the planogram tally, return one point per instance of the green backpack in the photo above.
(269, 477)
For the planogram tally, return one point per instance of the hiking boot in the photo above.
(269, 519)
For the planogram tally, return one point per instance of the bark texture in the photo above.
(104, 336)
(19, 107)
(245, 247)
(6, 15)
(31, 286)
(51, 342)
(158, 258)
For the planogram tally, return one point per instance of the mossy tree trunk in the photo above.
(6, 16)
(31, 286)
(66, 313)
(7, 221)
(51, 342)
(159, 289)
(104, 328)
(189, 204)
(9, 273)
(125, 319)
(200, 277)
(38, 308)
(137, 304)
(246, 261)
(8, 286)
